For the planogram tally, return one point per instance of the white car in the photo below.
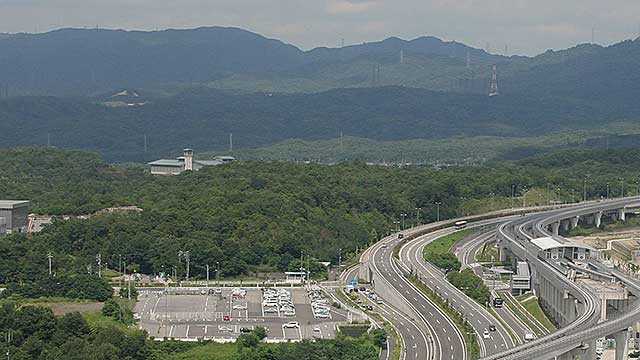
(322, 315)
(270, 310)
(485, 334)
(223, 328)
(292, 324)
(239, 307)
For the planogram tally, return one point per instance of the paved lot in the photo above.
(202, 316)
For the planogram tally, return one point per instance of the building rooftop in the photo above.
(13, 204)
(167, 162)
(547, 243)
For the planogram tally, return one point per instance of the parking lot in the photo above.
(222, 314)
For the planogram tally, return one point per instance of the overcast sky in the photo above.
(528, 27)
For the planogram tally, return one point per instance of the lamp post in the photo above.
(513, 193)
(608, 188)
(438, 203)
(207, 276)
(524, 196)
(418, 216)
(339, 259)
(402, 216)
(622, 187)
(218, 273)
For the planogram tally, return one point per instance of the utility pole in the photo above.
(524, 197)
(513, 193)
(218, 273)
(339, 258)
(231, 142)
(418, 216)
(49, 257)
(548, 194)
(584, 191)
(622, 187)
(438, 203)
(207, 276)
(608, 191)
(120, 268)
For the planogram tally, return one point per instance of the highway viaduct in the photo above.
(583, 314)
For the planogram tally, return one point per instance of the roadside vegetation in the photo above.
(532, 306)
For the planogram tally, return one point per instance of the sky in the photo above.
(525, 27)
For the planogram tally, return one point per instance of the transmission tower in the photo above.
(493, 91)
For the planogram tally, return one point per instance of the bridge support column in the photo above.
(574, 222)
(598, 219)
(622, 338)
(621, 215)
(555, 227)
(565, 225)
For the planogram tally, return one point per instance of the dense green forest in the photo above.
(203, 119)
(35, 333)
(252, 216)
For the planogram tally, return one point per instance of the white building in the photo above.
(185, 163)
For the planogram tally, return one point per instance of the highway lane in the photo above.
(466, 251)
(448, 343)
(476, 315)
(415, 338)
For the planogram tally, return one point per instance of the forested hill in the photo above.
(260, 216)
(204, 119)
(92, 61)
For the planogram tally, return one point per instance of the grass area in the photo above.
(533, 307)
(443, 244)
(488, 253)
(209, 351)
(473, 347)
(97, 320)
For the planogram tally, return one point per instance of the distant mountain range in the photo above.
(105, 90)
(91, 61)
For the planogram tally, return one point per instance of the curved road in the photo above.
(476, 315)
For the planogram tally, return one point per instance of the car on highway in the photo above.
(239, 307)
(529, 337)
(291, 325)
(245, 330)
(485, 334)
(492, 327)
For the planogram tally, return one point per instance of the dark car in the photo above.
(369, 307)
(245, 330)
(492, 327)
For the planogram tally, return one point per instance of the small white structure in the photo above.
(295, 277)
(553, 249)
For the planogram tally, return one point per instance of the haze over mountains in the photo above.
(194, 87)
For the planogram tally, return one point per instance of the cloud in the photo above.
(349, 7)
(527, 26)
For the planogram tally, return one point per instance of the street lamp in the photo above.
(207, 275)
(438, 203)
(218, 273)
(513, 193)
(608, 191)
(339, 259)
(622, 187)
(524, 196)
(418, 216)
(403, 215)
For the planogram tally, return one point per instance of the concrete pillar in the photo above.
(565, 225)
(590, 219)
(598, 217)
(603, 309)
(574, 222)
(555, 227)
(621, 338)
(621, 215)
(614, 216)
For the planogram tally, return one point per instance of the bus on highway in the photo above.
(461, 224)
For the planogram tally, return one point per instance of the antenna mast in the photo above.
(493, 91)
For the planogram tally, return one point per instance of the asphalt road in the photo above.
(476, 315)
(447, 340)
(465, 251)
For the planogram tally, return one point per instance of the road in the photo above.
(448, 341)
(466, 251)
(476, 315)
